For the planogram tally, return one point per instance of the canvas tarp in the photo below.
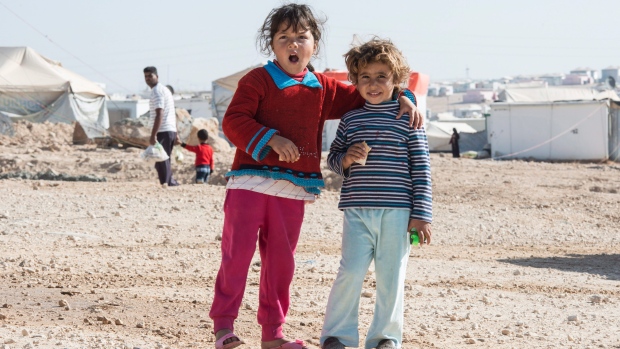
(38, 89)
(614, 134)
(555, 94)
(6, 127)
(223, 90)
(567, 131)
(439, 133)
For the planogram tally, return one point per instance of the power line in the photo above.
(62, 48)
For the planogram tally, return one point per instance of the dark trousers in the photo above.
(202, 173)
(164, 171)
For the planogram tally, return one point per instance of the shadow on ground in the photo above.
(606, 265)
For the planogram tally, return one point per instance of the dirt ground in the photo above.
(525, 254)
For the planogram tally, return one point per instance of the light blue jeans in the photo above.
(379, 234)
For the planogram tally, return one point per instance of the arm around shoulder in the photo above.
(420, 172)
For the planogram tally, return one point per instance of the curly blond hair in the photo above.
(377, 50)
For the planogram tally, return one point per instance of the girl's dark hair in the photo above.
(296, 15)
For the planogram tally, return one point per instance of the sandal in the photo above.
(332, 343)
(219, 344)
(386, 344)
(297, 344)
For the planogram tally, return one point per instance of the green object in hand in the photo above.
(414, 239)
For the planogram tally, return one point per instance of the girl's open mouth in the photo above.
(293, 58)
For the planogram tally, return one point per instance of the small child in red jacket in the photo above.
(204, 157)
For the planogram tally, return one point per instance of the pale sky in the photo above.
(193, 43)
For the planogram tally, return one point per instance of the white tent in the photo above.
(439, 133)
(576, 130)
(223, 90)
(555, 94)
(614, 131)
(38, 89)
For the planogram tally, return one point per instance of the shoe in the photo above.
(236, 341)
(386, 344)
(297, 344)
(332, 343)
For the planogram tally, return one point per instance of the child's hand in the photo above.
(285, 148)
(355, 152)
(177, 140)
(423, 228)
(406, 106)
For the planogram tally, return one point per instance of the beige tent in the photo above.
(439, 133)
(38, 89)
(223, 90)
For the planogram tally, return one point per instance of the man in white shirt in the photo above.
(162, 122)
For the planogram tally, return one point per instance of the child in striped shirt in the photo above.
(386, 193)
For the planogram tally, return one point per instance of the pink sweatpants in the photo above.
(275, 223)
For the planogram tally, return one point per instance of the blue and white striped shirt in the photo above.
(397, 173)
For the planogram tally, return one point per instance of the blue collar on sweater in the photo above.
(282, 80)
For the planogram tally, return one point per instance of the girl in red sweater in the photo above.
(275, 120)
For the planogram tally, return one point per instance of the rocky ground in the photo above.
(525, 254)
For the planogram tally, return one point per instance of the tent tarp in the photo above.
(576, 130)
(223, 90)
(614, 134)
(6, 127)
(439, 133)
(38, 89)
(554, 94)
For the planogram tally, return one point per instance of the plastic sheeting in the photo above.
(223, 90)
(614, 134)
(38, 89)
(90, 112)
(555, 94)
(5, 126)
(439, 133)
(566, 131)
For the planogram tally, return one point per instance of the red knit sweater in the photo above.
(204, 154)
(259, 109)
